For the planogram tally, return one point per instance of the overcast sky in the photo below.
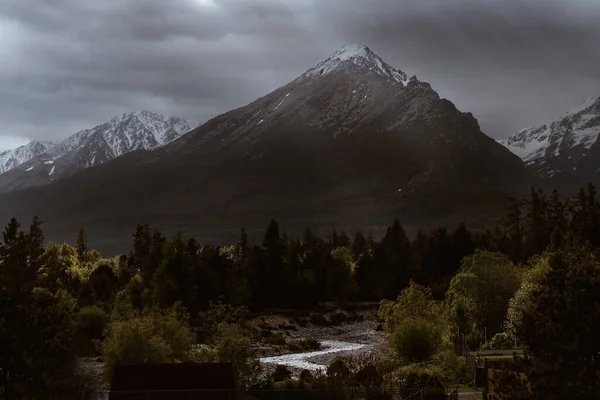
(67, 65)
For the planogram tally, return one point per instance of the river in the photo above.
(300, 360)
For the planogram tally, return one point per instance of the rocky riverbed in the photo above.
(352, 339)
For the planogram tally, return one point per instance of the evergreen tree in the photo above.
(397, 263)
(35, 239)
(82, 246)
(514, 228)
(359, 245)
(537, 237)
(142, 243)
(560, 330)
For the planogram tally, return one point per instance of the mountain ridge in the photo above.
(564, 149)
(353, 147)
(12, 158)
(91, 147)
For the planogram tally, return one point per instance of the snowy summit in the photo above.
(360, 55)
(566, 144)
(578, 127)
(46, 162)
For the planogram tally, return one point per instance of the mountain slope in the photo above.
(10, 159)
(564, 152)
(352, 142)
(92, 147)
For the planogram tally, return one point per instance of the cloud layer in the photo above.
(68, 64)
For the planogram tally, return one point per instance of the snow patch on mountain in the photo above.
(90, 147)
(361, 56)
(579, 127)
(10, 159)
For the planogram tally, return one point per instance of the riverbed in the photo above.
(302, 360)
(347, 340)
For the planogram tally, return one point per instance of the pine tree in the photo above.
(276, 279)
(359, 245)
(536, 225)
(142, 243)
(82, 246)
(514, 229)
(35, 239)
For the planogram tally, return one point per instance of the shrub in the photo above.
(303, 345)
(416, 339)
(231, 344)
(281, 373)
(276, 339)
(90, 322)
(156, 336)
(339, 318)
(500, 341)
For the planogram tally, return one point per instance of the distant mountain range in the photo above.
(351, 143)
(39, 163)
(564, 153)
(10, 159)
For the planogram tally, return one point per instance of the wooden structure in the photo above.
(173, 381)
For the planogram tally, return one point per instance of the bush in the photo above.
(500, 341)
(339, 318)
(416, 339)
(304, 345)
(281, 373)
(90, 322)
(231, 344)
(276, 339)
(156, 336)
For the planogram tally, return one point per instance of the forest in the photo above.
(532, 280)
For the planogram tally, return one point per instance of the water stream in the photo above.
(299, 360)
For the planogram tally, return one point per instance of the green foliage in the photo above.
(479, 294)
(342, 283)
(90, 324)
(152, 336)
(209, 320)
(416, 339)
(522, 301)
(500, 341)
(561, 325)
(36, 323)
(413, 302)
(82, 246)
(231, 343)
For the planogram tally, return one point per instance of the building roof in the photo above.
(172, 381)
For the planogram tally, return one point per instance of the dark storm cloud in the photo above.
(68, 65)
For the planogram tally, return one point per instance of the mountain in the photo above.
(350, 143)
(91, 147)
(563, 153)
(10, 159)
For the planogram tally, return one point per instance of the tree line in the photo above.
(57, 300)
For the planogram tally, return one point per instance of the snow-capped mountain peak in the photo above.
(560, 144)
(361, 56)
(90, 147)
(578, 127)
(13, 158)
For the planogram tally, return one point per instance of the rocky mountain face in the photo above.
(10, 159)
(563, 153)
(91, 147)
(350, 143)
